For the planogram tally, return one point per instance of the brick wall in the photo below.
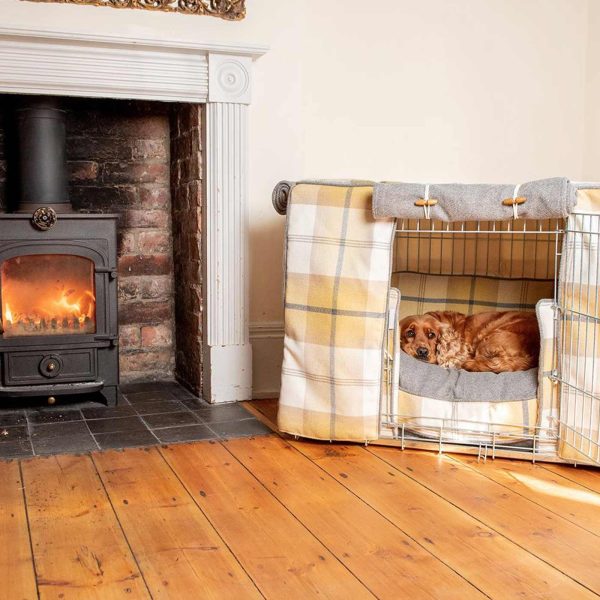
(118, 154)
(186, 188)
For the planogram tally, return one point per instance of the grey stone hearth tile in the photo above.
(194, 403)
(37, 417)
(187, 433)
(72, 444)
(59, 430)
(158, 406)
(125, 439)
(11, 434)
(143, 397)
(179, 391)
(218, 414)
(104, 412)
(146, 386)
(170, 419)
(244, 428)
(12, 419)
(115, 424)
(15, 449)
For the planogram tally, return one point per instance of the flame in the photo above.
(47, 295)
(71, 308)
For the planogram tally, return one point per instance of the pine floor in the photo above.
(268, 517)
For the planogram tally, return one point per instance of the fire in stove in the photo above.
(47, 295)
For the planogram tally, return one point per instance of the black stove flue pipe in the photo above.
(41, 139)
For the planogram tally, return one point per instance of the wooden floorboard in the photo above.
(558, 542)
(178, 550)
(283, 558)
(79, 548)
(563, 497)
(461, 541)
(588, 477)
(271, 517)
(385, 559)
(16, 565)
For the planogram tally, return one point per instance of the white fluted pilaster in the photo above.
(228, 354)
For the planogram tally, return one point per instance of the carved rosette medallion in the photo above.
(229, 78)
(232, 10)
(44, 218)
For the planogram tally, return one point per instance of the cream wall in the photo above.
(591, 167)
(439, 90)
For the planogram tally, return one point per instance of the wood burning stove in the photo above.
(58, 276)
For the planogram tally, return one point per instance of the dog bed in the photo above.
(425, 379)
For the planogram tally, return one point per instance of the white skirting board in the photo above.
(267, 354)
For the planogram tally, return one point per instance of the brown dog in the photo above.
(489, 341)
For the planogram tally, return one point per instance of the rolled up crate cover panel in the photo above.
(338, 260)
(579, 343)
(543, 199)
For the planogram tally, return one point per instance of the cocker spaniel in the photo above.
(490, 341)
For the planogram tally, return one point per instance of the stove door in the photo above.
(47, 295)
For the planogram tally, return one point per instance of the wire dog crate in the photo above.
(560, 258)
(361, 256)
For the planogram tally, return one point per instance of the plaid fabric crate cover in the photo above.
(338, 263)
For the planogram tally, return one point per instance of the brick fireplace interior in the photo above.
(142, 160)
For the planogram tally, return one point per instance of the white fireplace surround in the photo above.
(220, 76)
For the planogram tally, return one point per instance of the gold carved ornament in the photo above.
(232, 10)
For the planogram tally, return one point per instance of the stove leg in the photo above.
(111, 395)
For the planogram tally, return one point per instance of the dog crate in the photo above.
(361, 256)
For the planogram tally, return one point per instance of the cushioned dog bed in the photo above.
(432, 381)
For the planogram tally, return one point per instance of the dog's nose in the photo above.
(422, 352)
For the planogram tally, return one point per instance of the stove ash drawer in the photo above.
(49, 367)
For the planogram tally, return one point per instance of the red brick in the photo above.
(154, 242)
(126, 172)
(152, 150)
(129, 289)
(156, 288)
(129, 337)
(135, 125)
(83, 170)
(152, 364)
(99, 148)
(158, 219)
(155, 197)
(156, 336)
(159, 264)
(127, 243)
(144, 313)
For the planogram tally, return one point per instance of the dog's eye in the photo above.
(431, 335)
(410, 333)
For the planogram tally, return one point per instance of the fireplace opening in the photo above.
(139, 160)
(48, 294)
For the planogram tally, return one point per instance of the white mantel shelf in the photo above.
(70, 63)
(252, 50)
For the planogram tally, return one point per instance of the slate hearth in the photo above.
(148, 414)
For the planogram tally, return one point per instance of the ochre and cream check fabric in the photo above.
(337, 279)
(424, 293)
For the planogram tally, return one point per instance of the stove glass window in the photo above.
(48, 294)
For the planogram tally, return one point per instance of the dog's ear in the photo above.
(404, 323)
(441, 323)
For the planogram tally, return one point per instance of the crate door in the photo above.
(578, 331)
